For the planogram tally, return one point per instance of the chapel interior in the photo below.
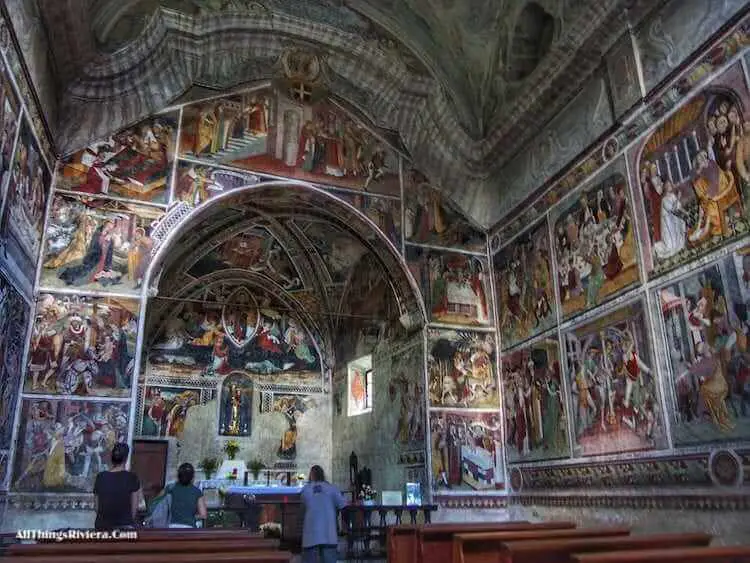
(484, 262)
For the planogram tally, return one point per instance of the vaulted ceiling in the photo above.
(465, 84)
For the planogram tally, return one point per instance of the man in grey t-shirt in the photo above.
(321, 502)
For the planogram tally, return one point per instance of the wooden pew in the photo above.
(178, 557)
(723, 554)
(141, 546)
(486, 547)
(560, 550)
(402, 539)
(434, 542)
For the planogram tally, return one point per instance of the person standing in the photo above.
(321, 502)
(118, 492)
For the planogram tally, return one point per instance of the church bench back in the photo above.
(402, 539)
(560, 550)
(178, 557)
(227, 544)
(724, 554)
(434, 543)
(486, 547)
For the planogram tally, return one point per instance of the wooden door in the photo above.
(149, 462)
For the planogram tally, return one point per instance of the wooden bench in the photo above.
(179, 557)
(486, 547)
(724, 554)
(435, 542)
(560, 550)
(228, 544)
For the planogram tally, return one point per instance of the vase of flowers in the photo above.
(231, 448)
(271, 529)
(255, 467)
(367, 495)
(209, 465)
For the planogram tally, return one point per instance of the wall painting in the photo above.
(595, 245)
(384, 212)
(706, 323)
(133, 163)
(244, 335)
(455, 286)
(9, 107)
(614, 400)
(267, 132)
(165, 410)
(461, 366)
(406, 389)
(523, 281)
(339, 251)
(197, 183)
(63, 444)
(466, 450)
(535, 413)
(14, 324)
(292, 407)
(28, 188)
(694, 175)
(431, 220)
(235, 418)
(97, 244)
(256, 250)
(82, 346)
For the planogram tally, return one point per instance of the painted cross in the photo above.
(302, 92)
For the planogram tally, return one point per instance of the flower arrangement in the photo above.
(209, 465)
(255, 467)
(367, 493)
(231, 448)
(271, 529)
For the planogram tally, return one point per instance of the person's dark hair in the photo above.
(185, 474)
(317, 473)
(120, 454)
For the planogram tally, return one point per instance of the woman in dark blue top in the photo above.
(187, 499)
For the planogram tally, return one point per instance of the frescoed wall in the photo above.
(524, 286)
(133, 163)
(9, 112)
(165, 410)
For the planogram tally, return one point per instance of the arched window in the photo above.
(532, 38)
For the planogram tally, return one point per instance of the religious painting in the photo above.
(455, 286)
(359, 386)
(523, 281)
(406, 389)
(228, 129)
(165, 410)
(82, 346)
(196, 183)
(235, 418)
(133, 163)
(338, 250)
(194, 340)
(535, 413)
(311, 141)
(467, 451)
(431, 220)
(9, 111)
(595, 243)
(384, 212)
(256, 250)
(292, 407)
(614, 400)
(97, 245)
(706, 323)
(63, 444)
(22, 221)
(461, 366)
(693, 174)
(14, 324)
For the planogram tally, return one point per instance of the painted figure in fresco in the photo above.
(235, 412)
(634, 388)
(235, 401)
(292, 407)
(716, 191)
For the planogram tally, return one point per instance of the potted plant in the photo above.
(209, 465)
(255, 467)
(231, 448)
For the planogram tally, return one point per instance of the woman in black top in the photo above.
(118, 492)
